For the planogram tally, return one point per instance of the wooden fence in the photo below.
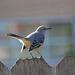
(37, 66)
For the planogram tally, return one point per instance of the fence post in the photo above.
(3, 70)
(33, 66)
(66, 66)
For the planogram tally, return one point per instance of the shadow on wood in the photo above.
(33, 66)
(66, 66)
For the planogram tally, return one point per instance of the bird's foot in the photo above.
(41, 57)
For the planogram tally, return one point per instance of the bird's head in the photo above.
(43, 29)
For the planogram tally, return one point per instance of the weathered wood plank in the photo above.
(4, 70)
(33, 66)
(66, 66)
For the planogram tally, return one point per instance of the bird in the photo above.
(33, 41)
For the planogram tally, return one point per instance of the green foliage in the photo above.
(70, 53)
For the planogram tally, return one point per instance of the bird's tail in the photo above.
(14, 35)
(21, 39)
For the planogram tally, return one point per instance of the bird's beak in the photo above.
(48, 28)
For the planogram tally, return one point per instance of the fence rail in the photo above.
(37, 66)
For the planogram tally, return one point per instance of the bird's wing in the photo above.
(36, 43)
